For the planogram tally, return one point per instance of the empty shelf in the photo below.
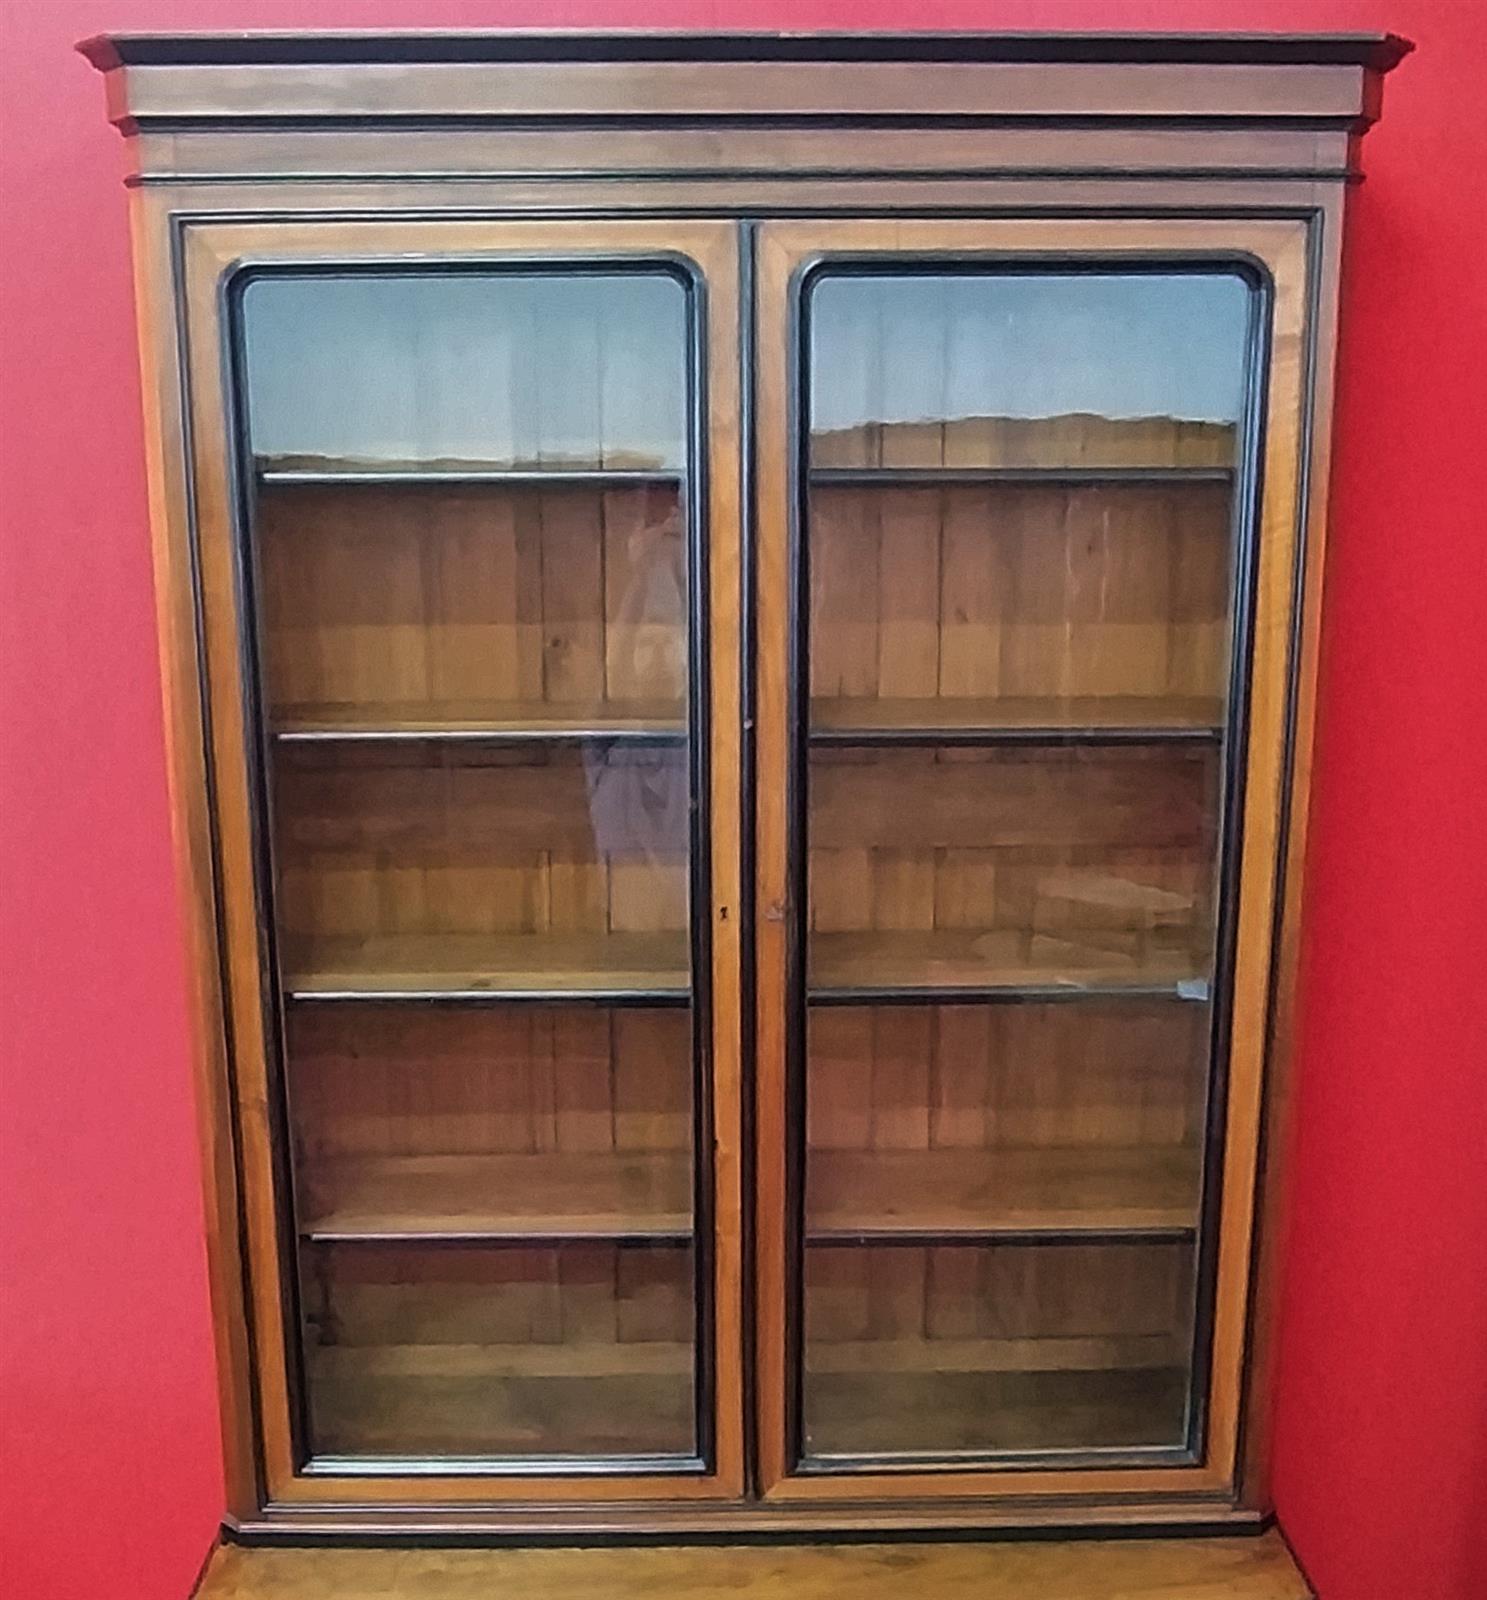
(641, 721)
(846, 968)
(648, 967)
(538, 1197)
(970, 1194)
(1106, 719)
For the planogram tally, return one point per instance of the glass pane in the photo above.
(956, 1348)
(472, 560)
(1019, 620)
(466, 1351)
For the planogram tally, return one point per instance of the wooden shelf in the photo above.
(857, 1196)
(502, 1400)
(615, 968)
(593, 1398)
(589, 1358)
(935, 1415)
(648, 722)
(539, 1198)
(888, 477)
(1113, 719)
(1124, 1352)
(307, 471)
(853, 1196)
(936, 966)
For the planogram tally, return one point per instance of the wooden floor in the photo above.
(1158, 1569)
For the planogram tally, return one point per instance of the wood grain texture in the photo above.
(1021, 590)
(494, 964)
(953, 1193)
(1055, 713)
(1188, 1569)
(524, 1196)
(927, 961)
(186, 717)
(496, 720)
(741, 154)
(450, 1080)
(1313, 454)
(929, 1416)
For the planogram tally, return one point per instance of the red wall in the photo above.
(110, 1452)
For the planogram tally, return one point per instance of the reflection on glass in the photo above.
(1020, 575)
(490, 370)
(915, 369)
(471, 554)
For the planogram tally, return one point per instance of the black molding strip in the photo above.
(499, 1238)
(320, 1527)
(1005, 1461)
(932, 736)
(748, 853)
(492, 734)
(508, 477)
(992, 738)
(991, 173)
(338, 1466)
(638, 477)
(1190, 991)
(1378, 51)
(1193, 990)
(933, 477)
(678, 997)
(690, 122)
(980, 1238)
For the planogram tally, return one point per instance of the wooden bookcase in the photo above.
(739, 615)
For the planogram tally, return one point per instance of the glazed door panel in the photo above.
(485, 549)
(1008, 542)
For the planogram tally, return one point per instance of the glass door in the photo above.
(1012, 520)
(476, 538)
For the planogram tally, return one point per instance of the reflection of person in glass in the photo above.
(638, 797)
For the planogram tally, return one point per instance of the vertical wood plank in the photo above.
(645, 596)
(909, 594)
(839, 1078)
(845, 586)
(955, 1292)
(471, 636)
(572, 598)
(1033, 526)
(589, 1296)
(652, 1089)
(582, 1087)
(900, 1077)
(958, 1117)
(973, 595)
(897, 1278)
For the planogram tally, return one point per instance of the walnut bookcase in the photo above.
(739, 616)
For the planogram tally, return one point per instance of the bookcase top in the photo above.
(1378, 51)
